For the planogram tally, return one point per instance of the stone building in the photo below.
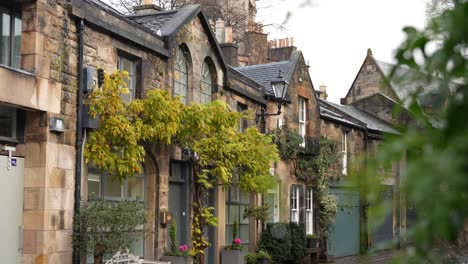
(38, 83)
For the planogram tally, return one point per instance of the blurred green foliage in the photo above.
(434, 144)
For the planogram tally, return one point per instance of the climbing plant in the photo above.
(207, 133)
(116, 146)
(219, 151)
(316, 170)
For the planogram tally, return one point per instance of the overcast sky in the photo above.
(334, 35)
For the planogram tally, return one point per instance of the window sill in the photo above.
(17, 70)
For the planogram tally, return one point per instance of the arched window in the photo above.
(181, 76)
(206, 88)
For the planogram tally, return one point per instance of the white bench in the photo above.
(126, 258)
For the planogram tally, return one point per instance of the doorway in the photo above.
(179, 195)
(11, 207)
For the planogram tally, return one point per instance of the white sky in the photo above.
(334, 35)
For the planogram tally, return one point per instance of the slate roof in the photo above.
(406, 81)
(337, 116)
(165, 23)
(372, 122)
(264, 73)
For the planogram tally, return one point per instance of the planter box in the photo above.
(312, 243)
(177, 259)
(232, 256)
(263, 261)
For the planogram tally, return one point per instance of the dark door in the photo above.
(210, 232)
(383, 234)
(179, 189)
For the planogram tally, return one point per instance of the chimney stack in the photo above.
(230, 50)
(220, 30)
(147, 8)
(323, 91)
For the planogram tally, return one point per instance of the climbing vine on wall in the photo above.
(208, 133)
(316, 170)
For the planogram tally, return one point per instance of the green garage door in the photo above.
(344, 235)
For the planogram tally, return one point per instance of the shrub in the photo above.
(104, 227)
(284, 242)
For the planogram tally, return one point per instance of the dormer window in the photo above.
(10, 32)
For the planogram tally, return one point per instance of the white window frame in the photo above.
(12, 53)
(302, 119)
(295, 204)
(309, 210)
(344, 152)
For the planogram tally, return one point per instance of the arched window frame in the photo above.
(206, 82)
(181, 74)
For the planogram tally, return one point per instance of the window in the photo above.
(206, 88)
(10, 43)
(295, 203)
(344, 151)
(236, 202)
(279, 122)
(302, 119)
(181, 76)
(11, 124)
(101, 185)
(129, 64)
(272, 200)
(243, 125)
(309, 211)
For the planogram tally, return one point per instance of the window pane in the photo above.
(7, 122)
(241, 215)
(136, 188)
(17, 42)
(234, 194)
(136, 248)
(233, 214)
(244, 233)
(94, 185)
(112, 188)
(130, 67)
(229, 234)
(244, 197)
(6, 35)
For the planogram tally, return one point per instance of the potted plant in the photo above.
(260, 257)
(176, 254)
(233, 254)
(312, 241)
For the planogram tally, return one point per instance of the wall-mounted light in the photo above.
(57, 125)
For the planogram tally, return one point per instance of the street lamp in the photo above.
(280, 87)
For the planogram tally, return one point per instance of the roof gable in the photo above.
(168, 23)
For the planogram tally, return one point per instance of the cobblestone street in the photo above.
(381, 257)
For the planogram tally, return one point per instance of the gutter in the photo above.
(79, 134)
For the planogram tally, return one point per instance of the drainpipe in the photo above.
(79, 134)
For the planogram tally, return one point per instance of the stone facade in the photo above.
(369, 81)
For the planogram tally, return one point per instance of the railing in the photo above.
(311, 146)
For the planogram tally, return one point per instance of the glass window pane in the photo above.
(6, 35)
(7, 122)
(17, 42)
(112, 188)
(244, 233)
(233, 214)
(136, 248)
(136, 188)
(241, 215)
(234, 193)
(245, 197)
(94, 185)
(229, 237)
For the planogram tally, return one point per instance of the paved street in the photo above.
(381, 257)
